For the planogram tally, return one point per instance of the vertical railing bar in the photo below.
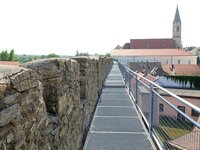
(151, 109)
(136, 89)
(129, 83)
(127, 78)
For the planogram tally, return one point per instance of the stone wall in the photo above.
(49, 104)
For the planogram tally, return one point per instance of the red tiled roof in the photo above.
(150, 52)
(187, 69)
(10, 63)
(141, 74)
(150, 77)
(152, 43)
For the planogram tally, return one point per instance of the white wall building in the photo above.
(165, 56)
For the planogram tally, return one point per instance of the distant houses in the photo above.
(164, 62)
(182, 70)
(165, 56)
(10, 63)
(164, 50)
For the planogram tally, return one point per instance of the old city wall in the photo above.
(48, 104)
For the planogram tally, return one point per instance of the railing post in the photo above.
(136, 89)
(126, 77)
(129, 82)
(151, 109)
(124, 74)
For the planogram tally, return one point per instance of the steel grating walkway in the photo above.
(116, 125)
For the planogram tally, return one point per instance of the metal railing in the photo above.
(172, 122)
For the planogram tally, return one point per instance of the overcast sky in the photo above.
(94, 26)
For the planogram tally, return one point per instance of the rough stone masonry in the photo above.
(49, 104)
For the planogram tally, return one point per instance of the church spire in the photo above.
(177, 29)
(177, 16)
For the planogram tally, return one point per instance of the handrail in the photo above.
(165, 90)
(178, 110)
(161, 123)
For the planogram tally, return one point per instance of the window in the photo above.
(177, 28)
(194, 113)
(189, 62)
(166, 61)
(182, 108)
(179, 61)
(180, 117)
(161, 107)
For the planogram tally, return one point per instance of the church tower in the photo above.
(177, 29)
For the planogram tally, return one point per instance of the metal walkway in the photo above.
(116, 125)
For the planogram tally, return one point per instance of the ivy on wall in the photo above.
(192, 80)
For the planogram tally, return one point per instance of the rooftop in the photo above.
(177, 16)
(184, 70)
(150, 52)
(146, 67)
(10, 63)
(152, 43)
(183, 92)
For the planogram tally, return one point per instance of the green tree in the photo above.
(4, 55)
(1, 56)
(52, 55)
(108, 54)
(11, 56)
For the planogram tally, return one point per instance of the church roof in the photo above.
(152, 43)
(177, 16)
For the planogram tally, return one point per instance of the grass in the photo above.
(170, 129)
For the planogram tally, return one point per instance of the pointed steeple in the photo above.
(177, 16)
(177, 29)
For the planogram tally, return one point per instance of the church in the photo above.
(166, 51)
(166, 43)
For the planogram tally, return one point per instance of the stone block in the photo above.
(40, 102)
(9, 114)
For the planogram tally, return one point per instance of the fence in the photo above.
(166, 115)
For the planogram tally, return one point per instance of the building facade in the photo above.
(165, 56)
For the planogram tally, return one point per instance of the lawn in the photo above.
(170, 129)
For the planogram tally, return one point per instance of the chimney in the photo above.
(173, 70)
(172, 67)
